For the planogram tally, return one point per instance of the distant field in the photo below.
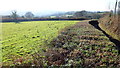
(26, 38)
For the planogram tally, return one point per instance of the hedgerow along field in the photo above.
(26, 38)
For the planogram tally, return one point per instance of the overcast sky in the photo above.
(48, 6)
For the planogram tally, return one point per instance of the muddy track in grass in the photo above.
(82, 45)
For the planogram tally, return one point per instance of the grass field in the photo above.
(26, 38)
(52, 43)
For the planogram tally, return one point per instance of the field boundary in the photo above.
(96, 24)
(56, 19)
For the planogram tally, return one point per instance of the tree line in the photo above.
(78, 15)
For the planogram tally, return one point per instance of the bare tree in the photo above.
(14, 15)
(119, 8)
(116, 6)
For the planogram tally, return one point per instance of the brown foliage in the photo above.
(56, 57)
(111, 24)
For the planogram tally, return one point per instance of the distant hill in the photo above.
(78, 14)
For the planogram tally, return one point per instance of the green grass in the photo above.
(26, 38)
